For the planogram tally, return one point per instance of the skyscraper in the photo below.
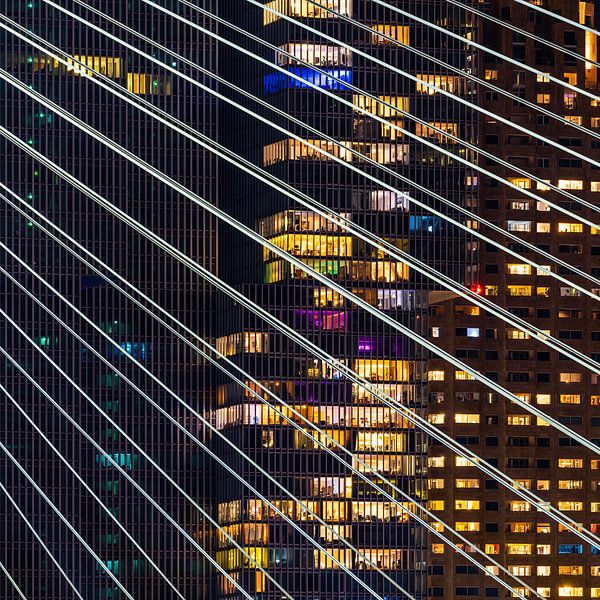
(551, 559)
(180, 222)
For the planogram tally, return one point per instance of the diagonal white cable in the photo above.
(232, 471)
(124, 473)
(250, 233)
(528, 34)
(414, 418)
(320, 443)
(331, 216)
(331, 361)
(586, 158)
(62, 517)
(89, 489)
(474, 232)
(554, 15)
(12, 581)
(41, 542)
(409, 415)
(483, 48)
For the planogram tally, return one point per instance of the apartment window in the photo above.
(570, 463)
(542, 98)
(467, 418)
(519, 290)
(520, 420)
(400, 33)
(518, 269)
(435, 375)
(518, 548)
(570, 377)
(144, 84)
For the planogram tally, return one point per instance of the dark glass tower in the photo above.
(370, 431)
(180, 222)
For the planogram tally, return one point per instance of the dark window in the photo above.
(491, 506)
(543, 463)
(491, 354)
(491, 441)
(543, 356)
(517, 463)
(543, 442)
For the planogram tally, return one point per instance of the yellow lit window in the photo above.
(518, 548)
(437, 418)
(543, 570)
(574, 119)
(470, 311)
(570, 570)
(520, 570)
(463, 376)
(425, 131)
(518, 269)
(518, 420)
(540, 422)
(594, 186)
(323, 561)
(435, 375)
(595, 572)
(543, 485)
(569, 377)
(542, 98)
(519, 506)
(466, 526)
(467, 504)
(469, 484)
(437, 548)
(144, 84)
(542, 291)
(542, 186)
(449, 83)
(377, 106)
(491, 74)
(467, 418)
(570, 484)
(543, 78)
(594, 507)
(570, 505)
(542, 227)
(516, 334)
(384, 369)
(544, 592)
(570, 463)
(543, 398)
(461, 461)
(526, 483)
(492, 548)
(566, 591)
(570, 399)
(436, 484)
(594, 464)
(491, 290)
(595, 400)
(522, 182)
(400, 33)
(570, 227)
(570, 184)
(519, 290)
(570, 78)
(302, 8)
(435, 505)
(595, 591)
(436, 461)
(106, 65)
(521, 527)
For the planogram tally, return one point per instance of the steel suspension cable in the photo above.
(232, 471)
(528, 34)
(292, 422)
(483, 48)
(512, 485)
(12, 581)
(489, 224)
(249, 232)
(331, 216)
(87, 487)
(303, 342)
(59, 514)
(39, 539)
(593, 207)
(557, 16)
(412, 417)
(124, 473)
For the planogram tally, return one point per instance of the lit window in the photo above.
(595, 186)
(467, 418)
(570, 227)
(543, 571)
(542, 227)
(566, 591)
(302, 8)
(107, 66)
(469, 484)
(543, 398)
(448, 83)
(379, 106)
(521, 420)
(400, 33)
(570, 506)
(543, 485)
(543, 186)
(467, 504)
(144, 84)
(522, 226)
(435, 504)
(595, 591)
(437, 548)
(435, 375)
(543, 270)
(492, 548)
(570, 484)
(436, 419)
(542, 77)
(518, 269)
(544, 592)
(323, 561)
(463, 376)
(491, 74)
(521, 182)
(466, 526)
(594, 507)
(574, 119)
(519, 290)
(491, 290)
(436, 461)
(520, 570)
(461, 461)
(436, 484)
(543, 98)
(519, 506)
(314, 54)
(542, 206)
(518, 548)
(570, 399)
(570, 377)
(570, 463)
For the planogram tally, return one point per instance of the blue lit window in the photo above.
(136, 349)
(570, 548)
(429, 224)
(275, 82)
(123, 459)
(595, 550)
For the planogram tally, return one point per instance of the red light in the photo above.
(477, 288)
